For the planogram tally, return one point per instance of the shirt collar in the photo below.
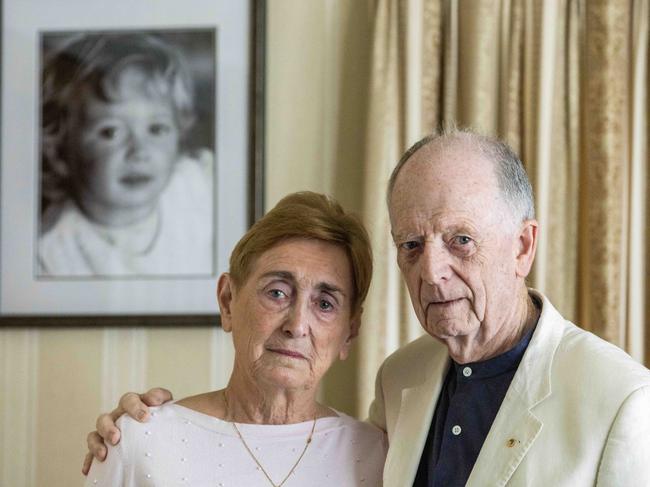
(494, 366)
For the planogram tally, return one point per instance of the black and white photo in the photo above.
(126, 185)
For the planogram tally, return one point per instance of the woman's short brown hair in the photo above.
(310, 216)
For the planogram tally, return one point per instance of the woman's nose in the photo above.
(296, 323)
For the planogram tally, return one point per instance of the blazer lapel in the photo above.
(516, 427)
(412, 426)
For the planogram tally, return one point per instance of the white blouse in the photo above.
(180, 446)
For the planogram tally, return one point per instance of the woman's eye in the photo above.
(277, 294)
(325, 305)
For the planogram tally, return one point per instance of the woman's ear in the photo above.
(355, 324)
(225, 296)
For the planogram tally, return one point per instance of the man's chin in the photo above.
(447, 328)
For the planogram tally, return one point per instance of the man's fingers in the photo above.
(156, 396)
(116, 413)
(87, 462)
(96, 447)
(106, 429)
(135, 405)
(131, 404)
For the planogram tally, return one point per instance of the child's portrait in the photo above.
(127, 155)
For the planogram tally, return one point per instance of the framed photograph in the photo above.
(131, 157)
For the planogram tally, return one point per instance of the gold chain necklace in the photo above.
(250, 452)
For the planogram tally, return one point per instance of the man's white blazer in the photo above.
(577, 412)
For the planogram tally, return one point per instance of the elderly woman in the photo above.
(292, 301)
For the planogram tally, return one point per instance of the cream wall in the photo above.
(53, 382)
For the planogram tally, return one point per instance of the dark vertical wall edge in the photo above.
(258, 108)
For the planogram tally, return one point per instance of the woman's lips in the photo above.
(288, 353)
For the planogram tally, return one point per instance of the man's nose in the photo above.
(435, 265)
(296, 323)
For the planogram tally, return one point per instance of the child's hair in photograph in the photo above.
(90, 65)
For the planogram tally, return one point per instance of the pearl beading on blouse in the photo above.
(187, 447)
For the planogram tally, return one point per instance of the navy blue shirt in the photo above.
(468, 403)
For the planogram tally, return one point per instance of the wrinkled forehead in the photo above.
(305, 258)
(445, 180)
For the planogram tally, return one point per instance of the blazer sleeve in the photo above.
(626, 457)
(377, 411)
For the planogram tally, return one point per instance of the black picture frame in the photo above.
(253, 165)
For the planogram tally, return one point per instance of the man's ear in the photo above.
(225, 289)
(355, 324)
(526, 247)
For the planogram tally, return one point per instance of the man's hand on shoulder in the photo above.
(131, 403)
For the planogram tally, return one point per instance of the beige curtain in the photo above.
(566, 83)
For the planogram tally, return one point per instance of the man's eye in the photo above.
(462, 239)
(410, 245)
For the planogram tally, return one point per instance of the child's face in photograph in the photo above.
(125, 151)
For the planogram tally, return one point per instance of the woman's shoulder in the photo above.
(360, 430)
(161, 419)
(136, 443)
(203, 403)
(356, 439)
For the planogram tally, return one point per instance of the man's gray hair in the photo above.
(510, 172)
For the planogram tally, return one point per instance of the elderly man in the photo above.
(502, 390)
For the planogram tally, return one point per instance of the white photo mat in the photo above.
(22, 294)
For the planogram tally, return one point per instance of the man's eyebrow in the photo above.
(462, 227)
(400, 236)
